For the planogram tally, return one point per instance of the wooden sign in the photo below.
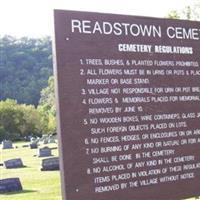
(128, 93)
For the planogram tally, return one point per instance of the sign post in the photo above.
(128, 93)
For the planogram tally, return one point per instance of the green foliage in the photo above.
(19, 120)
(10, 119)
(2, 133)
(174, 15)
(32, 121)
(25, 66)
(47, 100)
(47, 107)
(190, 13)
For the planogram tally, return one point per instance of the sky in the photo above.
(34, 18)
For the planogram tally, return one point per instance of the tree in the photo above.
(190, 13)
(47, 107)
(10, 119)
(25, 66)
(174, 15)
(32, 121)
(19, 120)
(47, 99)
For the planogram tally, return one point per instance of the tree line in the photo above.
(19, 121)
(26, 87)
(25, 66)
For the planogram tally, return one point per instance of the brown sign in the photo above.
(129, 106)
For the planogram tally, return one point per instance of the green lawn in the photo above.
(37, 185)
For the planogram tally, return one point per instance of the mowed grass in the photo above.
(37, 185)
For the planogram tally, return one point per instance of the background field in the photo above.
(37, 185)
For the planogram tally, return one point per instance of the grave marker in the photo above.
(51, 140)
(7, 144)
(44, 152)
(25, 145)
(33, 145)
(50, 164)
(10, 185)
(13, 163)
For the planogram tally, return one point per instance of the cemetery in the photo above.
(25, 176)
(106, 109)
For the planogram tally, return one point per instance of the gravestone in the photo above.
(37, 140)
(32, 139)
(49, 164)
(54, 138)
(25, 145)
(33, 145)
(128, 92)
(51, 140)
(44, 152)
(7, 144)
(45, 141)
(13, 163)
(44, 137)
(10, 185)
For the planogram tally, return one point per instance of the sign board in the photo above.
(129, 106)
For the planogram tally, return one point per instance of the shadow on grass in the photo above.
(19, 192)
(15, 168)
